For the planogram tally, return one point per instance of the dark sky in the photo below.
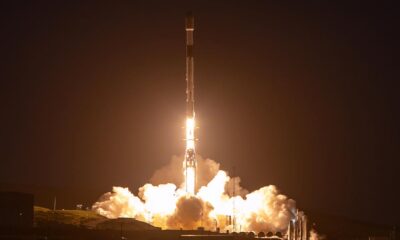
(300, 96)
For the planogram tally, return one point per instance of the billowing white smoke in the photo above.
(119, 203)
(165, 205)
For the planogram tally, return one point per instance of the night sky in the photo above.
(302, 96)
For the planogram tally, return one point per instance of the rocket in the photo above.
(190, 163)
(189, 66)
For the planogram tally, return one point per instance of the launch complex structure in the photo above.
(190, 163)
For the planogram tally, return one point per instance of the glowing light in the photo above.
(190, 180)
(190, 159)
(153, 194)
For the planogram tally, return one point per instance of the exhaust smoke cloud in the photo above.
(164, 202)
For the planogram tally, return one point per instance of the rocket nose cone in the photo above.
(189, 21)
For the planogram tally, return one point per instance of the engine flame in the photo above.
(190, 158)
(190, 176)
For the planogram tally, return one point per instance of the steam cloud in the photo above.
(165, 205)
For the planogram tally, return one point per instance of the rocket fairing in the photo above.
(190, 163)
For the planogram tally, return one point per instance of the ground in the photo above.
(78, 218)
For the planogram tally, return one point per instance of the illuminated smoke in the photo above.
(119, 203)
(315, 236)
(172, 172)
(190, 213)
(169, 207)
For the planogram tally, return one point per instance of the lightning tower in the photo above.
(190, 163)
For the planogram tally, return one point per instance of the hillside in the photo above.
(44, 217)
